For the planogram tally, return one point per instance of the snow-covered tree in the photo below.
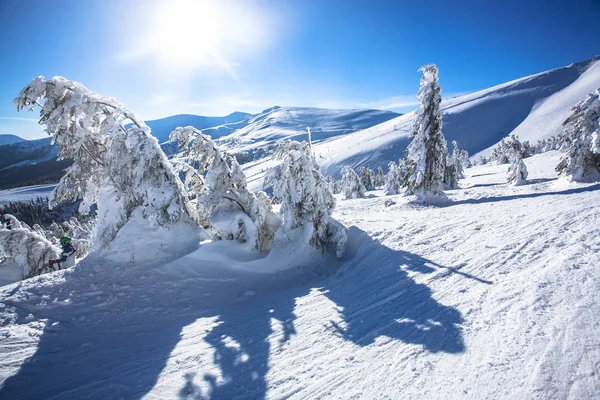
(517, 171)
(306, 200)
(454, 167)
(224, 202)
(367, 177)
(26, 247)
(393, 179)
(582, 139)
(426, 154)
(122, 171)
(352, 186)
(379, 180)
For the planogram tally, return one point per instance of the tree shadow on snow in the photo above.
(376, 297)
(119, 346)
(522, 196)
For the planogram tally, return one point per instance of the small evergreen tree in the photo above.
(426, 154)
(351, 184)
(367, 176)
(379, 180)
(454, 167)
(581, 139)
(517, 171)
(393, 179)
(306, 200)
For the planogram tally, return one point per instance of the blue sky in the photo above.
(208, 57)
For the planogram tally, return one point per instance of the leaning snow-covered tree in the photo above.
(306, 199)
(426, 154)
(122, 171)
(223, 200)
(27, 248)
(351, 184)
(582, 139)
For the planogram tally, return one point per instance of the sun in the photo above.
(204, 33)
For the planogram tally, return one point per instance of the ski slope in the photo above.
(491, 295)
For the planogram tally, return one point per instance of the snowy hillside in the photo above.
(278, 123)
(533, 107)
(485, 297)
(10, 139)
(217, 126)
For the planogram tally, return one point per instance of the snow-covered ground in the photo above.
(493, 295)
(26, 193)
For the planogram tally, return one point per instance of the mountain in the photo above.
(266, 128)
(30, 162)
(220, 126)
(532, 107)
(10, 139)
(27, 161)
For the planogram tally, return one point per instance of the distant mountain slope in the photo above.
(533, 107)
(220, 126)
(10, 139)
(276, 123)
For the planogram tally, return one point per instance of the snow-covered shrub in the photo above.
(306, 200)
(581, 139)
(426, 154)
(393, 179)
(223, 200)
(351, 184)
(120, 170)
(367, 177)
(27, 248)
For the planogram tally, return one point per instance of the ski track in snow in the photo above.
(492, 295)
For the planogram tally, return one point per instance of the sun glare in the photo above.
(191, 34)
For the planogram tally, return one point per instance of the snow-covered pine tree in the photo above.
(352, 186)
(582, 136)
(379, 180)
(367, 176)
(426, 154)
(450, 176)
(517, 171)
(393, 179)
(306, 200)
(122, 171)
(27, 248)
(454, 167)
(223, 200)
(461, 158)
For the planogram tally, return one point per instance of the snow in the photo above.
(489, 295)
(25, 193)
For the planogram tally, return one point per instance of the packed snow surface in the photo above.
(26, 193)
(491, 295)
